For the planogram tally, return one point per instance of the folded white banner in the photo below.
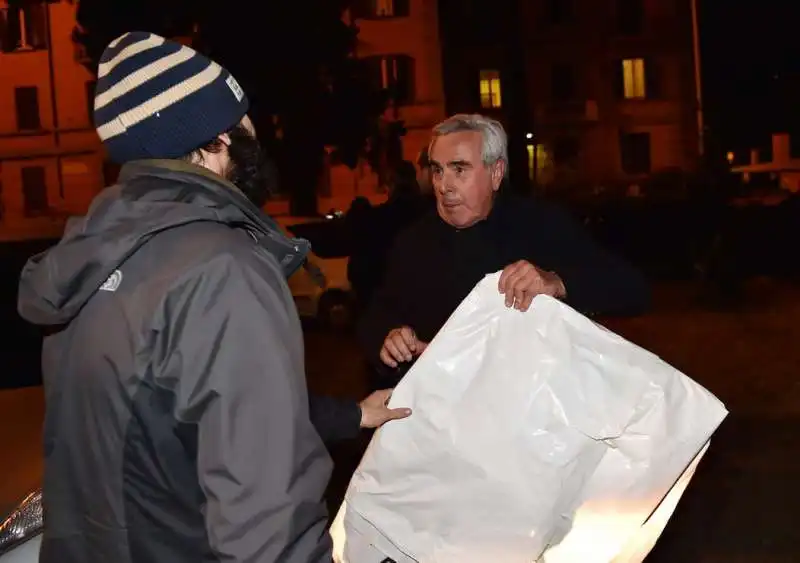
(536, 437)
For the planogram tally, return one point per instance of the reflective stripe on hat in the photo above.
(173, 95)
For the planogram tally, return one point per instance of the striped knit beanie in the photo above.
(159, 99)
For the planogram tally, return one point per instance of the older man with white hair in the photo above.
(479, 229)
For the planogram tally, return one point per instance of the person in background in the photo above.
(359, 207)
(476, 229)
(177, 425)
(379, 228)
(425, 174)
(358, 222)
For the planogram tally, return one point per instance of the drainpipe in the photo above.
(697, 80)
(53, 98)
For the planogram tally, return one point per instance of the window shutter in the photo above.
(361, 9)
(405, 83)
(619, 80)
(26, 99)
(374, 73)
(12, 35)
(652, 77)
(402, 8)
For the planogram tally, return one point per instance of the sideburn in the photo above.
(251, 171)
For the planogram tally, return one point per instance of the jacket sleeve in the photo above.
(597, 281)
(233, 351)
(388, 309)
(335, 419)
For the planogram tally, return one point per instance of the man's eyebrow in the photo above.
(460, 162)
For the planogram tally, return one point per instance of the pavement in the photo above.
(739, 508)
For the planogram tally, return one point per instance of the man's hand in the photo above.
(401, 345)
(375, 413)
(522, 281)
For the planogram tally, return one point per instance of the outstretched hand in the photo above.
(522, 281)
(376, 413)
(401, 345)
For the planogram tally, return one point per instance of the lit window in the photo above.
(371, 9)
(388, 72)
(633, 78)
(490, 89)
(540, 164)
(384, 7)
(394, 73)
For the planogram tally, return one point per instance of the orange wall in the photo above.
(70, 152)
(78, 153)
(418, 37)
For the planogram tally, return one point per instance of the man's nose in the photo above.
(443, 187)
(442, 183)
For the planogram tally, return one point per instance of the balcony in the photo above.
(23, 29)
(380, 9)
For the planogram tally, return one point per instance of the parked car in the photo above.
(21, 531)
(321, 289)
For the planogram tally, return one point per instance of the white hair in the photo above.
(495, 140)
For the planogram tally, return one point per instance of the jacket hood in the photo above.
(152, 196)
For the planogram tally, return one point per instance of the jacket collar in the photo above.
(234, 208)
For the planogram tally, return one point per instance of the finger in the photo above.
(397, 414)
(398, 349)
(382, 396)
(528, 278)
(405, 341)
(537, 284)
(527, 300)
(520, 294)
(514, 284)
(421, 346)
(526, 287)
(507, 272)
(409, 339)
(386, 357)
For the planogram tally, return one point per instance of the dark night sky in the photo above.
(751, 68)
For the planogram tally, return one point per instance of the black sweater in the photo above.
(434, 266)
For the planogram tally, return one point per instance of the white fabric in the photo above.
(536, 436)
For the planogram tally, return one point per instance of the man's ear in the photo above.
(498, 172)
(225, 139)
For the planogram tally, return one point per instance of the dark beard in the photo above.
(250, 171)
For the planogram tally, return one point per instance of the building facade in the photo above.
(399, 39)
(51, 160)
(781, 169)
(606, 89)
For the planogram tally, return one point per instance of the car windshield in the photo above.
(329, 238)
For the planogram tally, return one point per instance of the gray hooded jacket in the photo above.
(177, 426)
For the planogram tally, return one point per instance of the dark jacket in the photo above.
(335, 419)
(373, 236)
(434, 266)
(177, 425)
